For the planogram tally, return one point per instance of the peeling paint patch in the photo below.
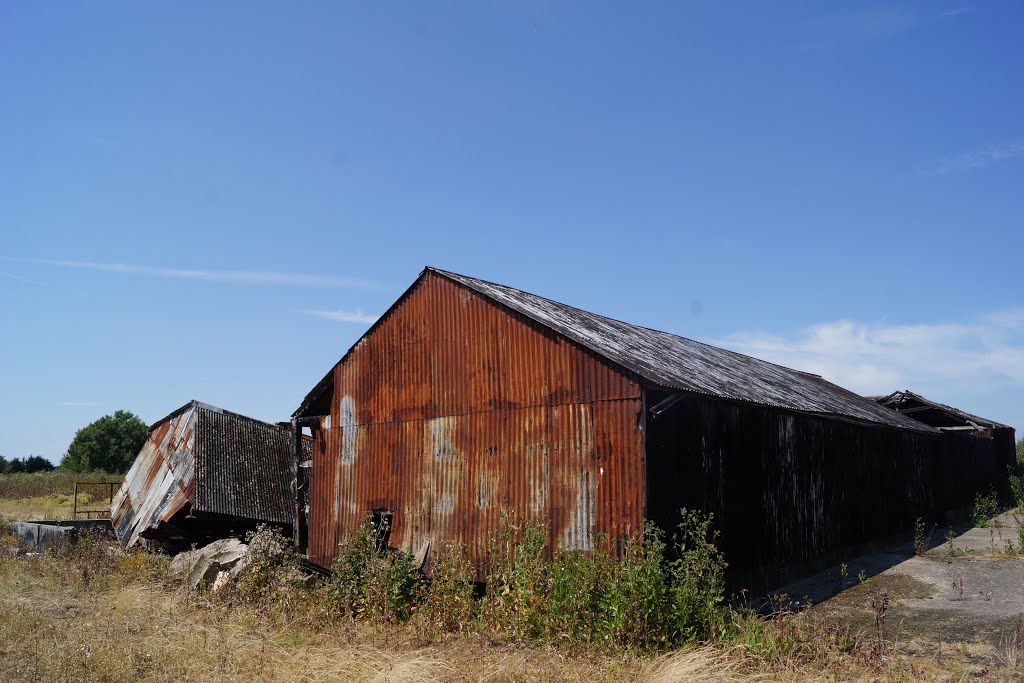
(348, 430)
(577, 534)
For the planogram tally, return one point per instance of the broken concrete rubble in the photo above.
(218, 564)
(201, 567)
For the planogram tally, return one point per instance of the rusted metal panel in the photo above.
(159, 483)
(577, 466)
(453, 409)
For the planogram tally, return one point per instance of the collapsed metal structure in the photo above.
(468, 398)
(206, 473)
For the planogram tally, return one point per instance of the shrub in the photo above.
(985, 508)
(367, 581)
(349, 583)
(448, 603)
(655, 595)
(270, 568)
(922, 536)
(395, 586)
(698, 578)
(517, 584)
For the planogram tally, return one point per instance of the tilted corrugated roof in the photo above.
(674, 362)
(243, 467)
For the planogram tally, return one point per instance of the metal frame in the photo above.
(103, 511)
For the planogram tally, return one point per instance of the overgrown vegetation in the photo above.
(654, 596)
(39, 484)
(986, 506)
(922, 535)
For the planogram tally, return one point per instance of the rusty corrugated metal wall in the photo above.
(453, 408)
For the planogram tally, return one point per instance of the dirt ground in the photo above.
(964, 596)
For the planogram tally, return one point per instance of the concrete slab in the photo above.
(969, 592)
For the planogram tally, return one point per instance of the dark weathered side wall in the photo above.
(788, 489)
(452, 409)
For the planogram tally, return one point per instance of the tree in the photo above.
(37, 463)
(109, 444)
(1020, 451)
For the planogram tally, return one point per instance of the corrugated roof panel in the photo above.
(243, 467)
(675, 362)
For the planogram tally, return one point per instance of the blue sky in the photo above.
(212, 200)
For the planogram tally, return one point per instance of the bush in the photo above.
(985, 508)
(698, 578)
(448, 603)
(517, 584)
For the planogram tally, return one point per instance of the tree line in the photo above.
(33, 463)
(109, 444)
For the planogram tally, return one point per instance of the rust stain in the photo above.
(453, 409)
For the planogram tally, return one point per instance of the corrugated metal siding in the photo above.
(453, 408)
(242, 467)
(160, 482)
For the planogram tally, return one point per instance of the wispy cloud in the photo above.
(980, 357)
(81, 404)
(862, 26)
(234, 277)
(342, 316)
(975, 159)
(837, 30)
(27, 281)
(954, 12)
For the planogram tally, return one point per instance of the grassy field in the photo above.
(50, 495)
(93, 613)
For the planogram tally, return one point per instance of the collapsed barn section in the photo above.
(206, 473)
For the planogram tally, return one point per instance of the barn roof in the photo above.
(936, 414)
(676, 363)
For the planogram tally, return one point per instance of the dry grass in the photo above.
(98, 615)
(53, 506)
(50, 495)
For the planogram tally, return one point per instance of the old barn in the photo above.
(468, 397)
